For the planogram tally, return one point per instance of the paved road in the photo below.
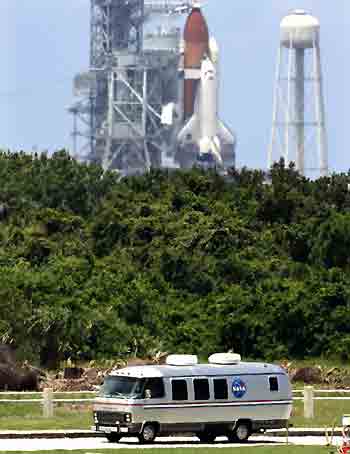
(90, 444)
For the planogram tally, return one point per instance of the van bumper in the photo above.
(125, 429)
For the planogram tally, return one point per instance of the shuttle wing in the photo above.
(216, 150)
(225, 134)
(190, 132)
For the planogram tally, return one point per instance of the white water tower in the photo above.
(298, 125)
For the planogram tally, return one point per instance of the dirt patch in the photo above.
(334, 377)
(89, 379)
(17, 377)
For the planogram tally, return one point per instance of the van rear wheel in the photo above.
(148, 434)
(206, 437)
(240, 433)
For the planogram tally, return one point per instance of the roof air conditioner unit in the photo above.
(182, 360)
(225, 358)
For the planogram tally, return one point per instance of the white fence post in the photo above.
(48, 403)
(309, 406)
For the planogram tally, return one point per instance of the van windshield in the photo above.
(122, 387)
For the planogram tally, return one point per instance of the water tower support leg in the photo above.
(300, 109)
(320, 112)
(275, 110)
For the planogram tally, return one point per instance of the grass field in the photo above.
(29, 417)
(251, 450)
(327, 413)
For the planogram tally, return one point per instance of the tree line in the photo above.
(93, 267)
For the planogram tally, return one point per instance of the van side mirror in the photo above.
(148, 394)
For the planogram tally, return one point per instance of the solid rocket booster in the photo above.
(196, 39)
(214, 51)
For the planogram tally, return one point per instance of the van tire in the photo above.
(148, 433)
(240, 433)
(206, 437)
(113, 438)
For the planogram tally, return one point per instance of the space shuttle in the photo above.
(203, 128)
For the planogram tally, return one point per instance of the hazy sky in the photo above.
(43, 43)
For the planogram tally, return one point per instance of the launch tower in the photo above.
(298, 126)
(143, 87)
(133, 74)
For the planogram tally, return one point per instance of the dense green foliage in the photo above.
(181, 262)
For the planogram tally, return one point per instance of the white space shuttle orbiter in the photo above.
(203, 129)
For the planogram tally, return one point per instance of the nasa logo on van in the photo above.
(239, 388)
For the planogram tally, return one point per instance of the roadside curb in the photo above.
(47, 434)
(302, 432)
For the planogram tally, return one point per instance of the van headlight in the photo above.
(127, 417)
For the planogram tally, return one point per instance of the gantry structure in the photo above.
(126, 104)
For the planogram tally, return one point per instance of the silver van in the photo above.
(224, 397)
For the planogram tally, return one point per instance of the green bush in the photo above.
(93, 267)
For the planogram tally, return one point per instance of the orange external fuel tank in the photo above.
(196, 39)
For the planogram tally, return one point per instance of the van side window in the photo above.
(201, 389)
(220, 388)
(179, 390)
(273, 384)
(156, 386)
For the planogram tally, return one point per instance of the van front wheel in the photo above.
(113, 438)
(148, 434)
